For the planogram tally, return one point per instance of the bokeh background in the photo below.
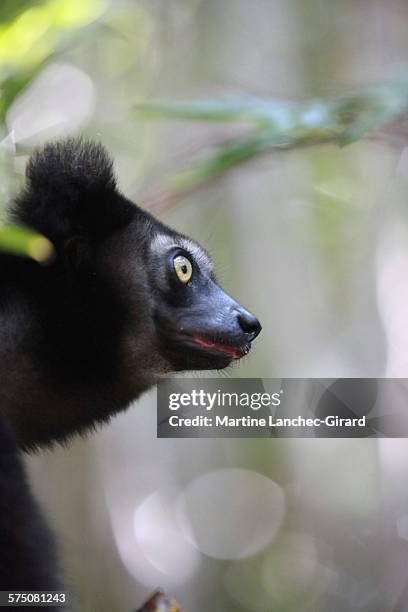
(313, 240)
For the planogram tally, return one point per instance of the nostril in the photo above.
(249, 324)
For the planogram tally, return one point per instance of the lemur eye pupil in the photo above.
(183, 268)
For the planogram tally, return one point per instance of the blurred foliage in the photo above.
(31, 33)
(11, 8)
(23, 241)
(34, 32)
(31, 36)
(277, 124)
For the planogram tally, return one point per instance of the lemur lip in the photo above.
(236, 352)
(233, 352)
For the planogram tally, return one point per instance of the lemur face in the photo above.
(199, 325)
(189, 320)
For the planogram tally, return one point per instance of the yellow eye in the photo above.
(183, 268)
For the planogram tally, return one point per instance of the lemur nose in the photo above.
(249, 324)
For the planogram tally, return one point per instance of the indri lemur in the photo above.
(125, 300)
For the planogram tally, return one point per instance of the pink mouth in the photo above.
(231, 351)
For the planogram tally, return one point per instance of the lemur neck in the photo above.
(49, 396)
(43, 410)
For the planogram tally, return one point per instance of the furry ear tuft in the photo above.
(71, 190)
(74, 164)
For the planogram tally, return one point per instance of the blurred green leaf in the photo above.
(371, 108)
(279, 124)
(10, 8)
(23, 241)
(269, 112)
(32, 35)
(229, 156)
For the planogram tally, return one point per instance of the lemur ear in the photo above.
(79, 165)
(71, 191)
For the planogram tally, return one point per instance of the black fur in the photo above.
(84, 335)
(71, 189)
(28, 559)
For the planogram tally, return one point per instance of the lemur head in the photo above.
(123, 273)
